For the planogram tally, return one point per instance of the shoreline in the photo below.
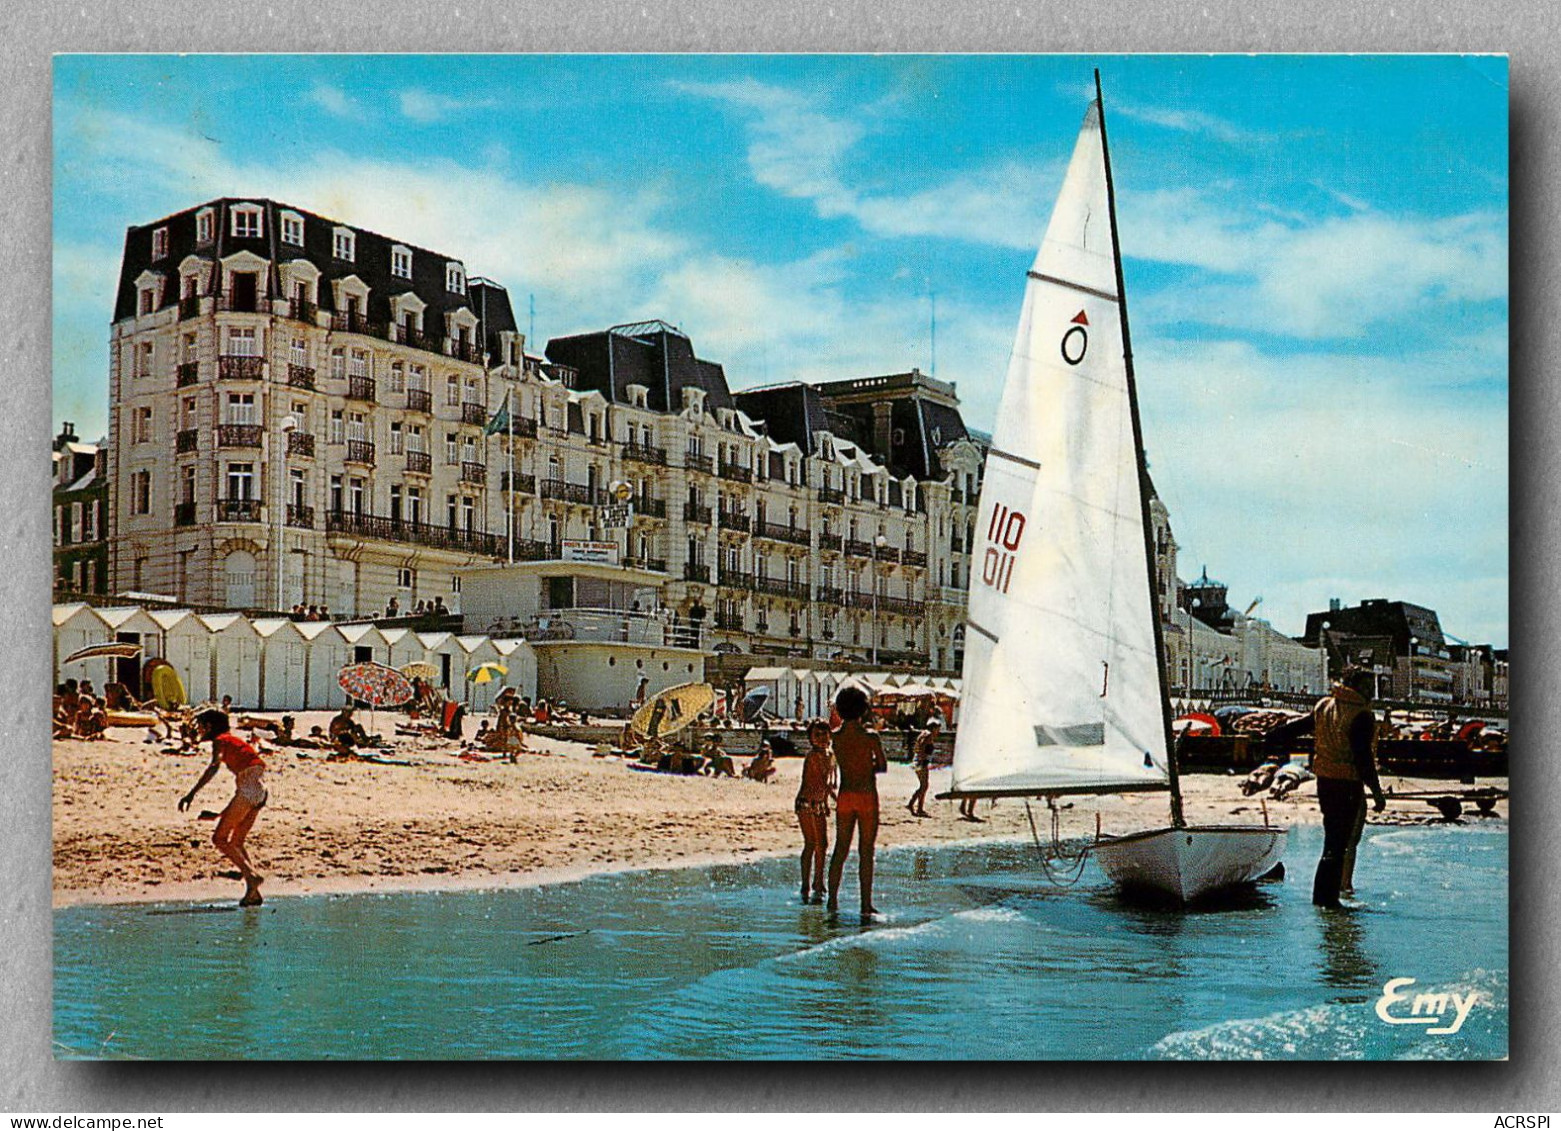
(559, 815)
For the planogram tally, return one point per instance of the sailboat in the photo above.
(1064, 688)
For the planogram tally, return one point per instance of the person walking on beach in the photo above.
(1344, 730)
(812, 806)
(859, 755)
(249, 796)
(921, 761)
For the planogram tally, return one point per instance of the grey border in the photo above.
(29, 1078)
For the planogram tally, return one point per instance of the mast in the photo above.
(1177, 817)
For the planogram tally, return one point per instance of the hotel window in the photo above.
(395, 502)
(300, 352)
(338, 426)
(469, 449)
(455, 278)
(406, 578)
(89, 523)
(75, 522)
(241, 341)
(141, 359)
(300, 488)
(355, 495)
(339, 364)
(417, 379)
(397, 377)
(395, 438)
(141, 426)
(358, 365)
(293, 229)
(472, 395)
(241, 481)
(357, 428)
(248, 221)
(344, 244)
(336, 493)
(187, 414)
(187, 485)
(204, 228)
(415, 504)
(241, 408)
(452, 391)
(415, 438)
(187, 353)
(468, 514)
(401, 262)
(451, 449)
(147, 297)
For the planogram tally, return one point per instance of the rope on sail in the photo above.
(1061, 867)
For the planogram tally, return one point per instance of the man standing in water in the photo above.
(249, 796)
(860, 757)
(1344, 730)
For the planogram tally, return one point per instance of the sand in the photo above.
(559, 813)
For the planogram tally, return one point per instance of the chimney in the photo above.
(1333, 604)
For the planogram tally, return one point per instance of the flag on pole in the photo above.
(500, 421)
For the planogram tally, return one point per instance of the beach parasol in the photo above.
(375, 684)
(120, 650)
(1198, 723)
(672, 709)
(753, 704)
(420, 669)
(487, 672)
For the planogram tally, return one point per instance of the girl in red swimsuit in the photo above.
(813, 794)
(249, 796)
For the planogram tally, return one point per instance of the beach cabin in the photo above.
(479, 650)
(521, 661)
(284, 663)
(183, 642)
(448, 657)
(365, 643)
(79, 626)
(234, 658)
(402, 647)
(325, 654)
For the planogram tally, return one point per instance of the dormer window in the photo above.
(160, 243)
(248, 221)
(401, 262)
(455, 278)
(293, 229)
(204, 227)
(344, 244)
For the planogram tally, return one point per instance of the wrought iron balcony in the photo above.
(474, 414)
(644, 453)
(694, 512)
(830, 596)
(914, 558)
(351, 322)
(735, 579)
(188, 373)
(360, 451)
(525, 484)
(830, 541)
(236, 367)
(655, 565)
(300, 516)
(473, 472)
(859, 549)
(420, 533)
(302, 310)
(420, 463)
(778, 532)
(858, 600)
(300, 376)
(239, 435)
(300, 443)
(696, 571)
(831, 495)
(360, 388)
(901, 606)
(651, 508)
(520, 426)
(732, 520)
(417, 339)
(184, 514)
(779, 587)
(420, 400)
(566, 492)
(736, 472)
(187, 440)
(466, 351)
(696, 462)
(238, 510)
(240, 304)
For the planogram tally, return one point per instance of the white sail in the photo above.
(1061, 688)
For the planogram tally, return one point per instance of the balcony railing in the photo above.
(188, 373)
(525, 484)
(694, 512)
(241, 304)
(187, 440)
(239, 435)
(474, 472)
(300, 443)
(360, 388)
(830, 596)
(830, 541)
(300, 376)
(474, 414)
(417, 339)
(655, 565)
(914, 558)
(582, 493)
(466, 351)
(731, 520)
(644, 453)
(302, 310)
(360, 451)
(696, 462)
(420, 463)
(831, 495)
(351, 322)
(651, 508)
(780, 533)
(521, 426)
(735, 579)
(300, 516)
(420, 400)
(184, 514)
(901, 606)
(779, 587)
(696, 571)
(859, 549)
(858, 600)
(236, 367)
(238, 510)
(421, 533)
(735, 472)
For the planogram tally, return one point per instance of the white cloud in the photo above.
(334, 100)
(426, 106)
(1190, 121)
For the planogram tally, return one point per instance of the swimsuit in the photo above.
(249, 785)
(862, 803)
(819, 807)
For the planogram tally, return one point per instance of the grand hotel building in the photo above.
(303, 411)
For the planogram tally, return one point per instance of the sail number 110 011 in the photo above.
(1003, 534)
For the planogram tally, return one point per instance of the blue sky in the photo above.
(1315, 249)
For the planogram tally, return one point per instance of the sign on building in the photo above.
(595, 553)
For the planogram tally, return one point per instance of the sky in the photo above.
(1315, 250)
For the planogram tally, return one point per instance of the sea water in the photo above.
(973, 957)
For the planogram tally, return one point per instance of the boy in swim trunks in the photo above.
(860, 757)
(249, 796)
(812, 807)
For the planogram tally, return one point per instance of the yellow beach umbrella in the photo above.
(487, 672)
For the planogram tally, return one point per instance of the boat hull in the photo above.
(1191, 863)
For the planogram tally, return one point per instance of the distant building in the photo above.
(1400, 642)
(80, 511)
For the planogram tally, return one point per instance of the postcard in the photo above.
(793, 557)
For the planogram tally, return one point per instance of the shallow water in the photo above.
(973, 959)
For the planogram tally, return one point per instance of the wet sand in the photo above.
(559, 813)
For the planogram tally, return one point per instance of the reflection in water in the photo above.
(1346, 963)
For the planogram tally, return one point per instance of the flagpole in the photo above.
(509, 495)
